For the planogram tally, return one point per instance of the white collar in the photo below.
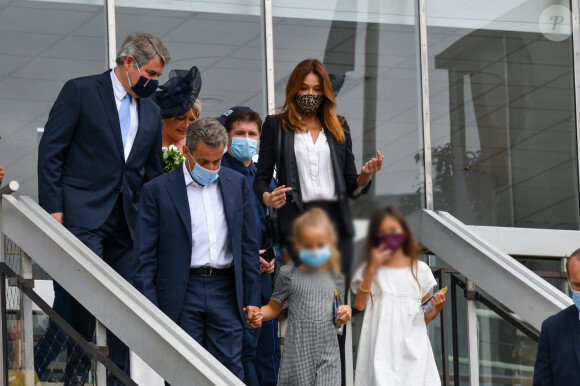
(118, 88)
(188, 178)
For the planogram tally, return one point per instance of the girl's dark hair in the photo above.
(410, 247)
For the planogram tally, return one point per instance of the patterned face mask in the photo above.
(309, 103)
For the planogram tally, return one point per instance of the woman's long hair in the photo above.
(317, 217)
(289, 114)
(410, 247)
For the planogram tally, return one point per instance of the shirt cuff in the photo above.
(359, 190)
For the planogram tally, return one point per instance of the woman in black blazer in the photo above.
(315, 155)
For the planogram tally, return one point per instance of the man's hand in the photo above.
(344, 314)
(266, 267)
(253, 316)
(1, 173)
(58, 216)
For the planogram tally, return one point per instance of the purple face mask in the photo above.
(392, 241)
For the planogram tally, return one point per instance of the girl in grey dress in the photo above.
(310, 355)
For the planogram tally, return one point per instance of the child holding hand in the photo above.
(313, 290)
(394, 347)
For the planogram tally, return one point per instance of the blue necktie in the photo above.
(125, 117)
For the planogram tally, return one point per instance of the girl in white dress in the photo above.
(394, 347)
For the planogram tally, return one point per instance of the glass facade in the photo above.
(223, 39)
(502, 113)
(43, 45)
(501, 102)
(371, 56)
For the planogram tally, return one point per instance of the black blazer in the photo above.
(163, 240)
(344, 170)
(81, 163)
(558, 358)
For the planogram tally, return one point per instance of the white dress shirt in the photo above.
(120, 93)
(315, 169)
(210, 245)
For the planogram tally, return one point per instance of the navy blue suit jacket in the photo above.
(81, 163)
(163, 240)
(558, 358)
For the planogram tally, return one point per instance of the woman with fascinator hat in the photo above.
(180, 105)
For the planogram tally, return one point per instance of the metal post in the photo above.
(269, 34)
(472, 338)
(101, 338)
(27, 331)
(424, 102)
(3, 332)
(443, 321)
(454, 333)
(111, 33)
(508, 131)
(576, 64)
(565, 286)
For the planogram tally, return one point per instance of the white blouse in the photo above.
(314, 167)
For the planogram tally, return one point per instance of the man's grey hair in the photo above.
(143, 47)
(207, 131)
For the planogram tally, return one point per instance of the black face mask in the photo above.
(144, 87)
(309, 103)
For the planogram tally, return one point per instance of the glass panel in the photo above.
(369, 49)
(502, 112)
(43, 45)
(548, 269)
(506, 355)
(222, 38)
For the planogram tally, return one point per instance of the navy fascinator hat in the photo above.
(179, 93)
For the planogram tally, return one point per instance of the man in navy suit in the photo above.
(101, 143)
(558, 358)
(197, 246)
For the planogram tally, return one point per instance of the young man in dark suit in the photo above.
(197, 247)
(261, 349)
(101, 143)
(558, 358)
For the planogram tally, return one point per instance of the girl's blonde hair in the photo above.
(317, 217)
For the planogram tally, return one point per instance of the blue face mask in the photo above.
(315, 258)
(243, 148)
(576, 298)
(204, 176)
(144, 87)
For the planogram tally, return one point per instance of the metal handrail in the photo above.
(505, 314)
(90, 348)
(491, 269)
(9, 188)
(169, 350)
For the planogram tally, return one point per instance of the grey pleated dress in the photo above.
(310, 355)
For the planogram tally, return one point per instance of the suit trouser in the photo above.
(249, 345)
(268, 354)
(114, 244)
(210, 314)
